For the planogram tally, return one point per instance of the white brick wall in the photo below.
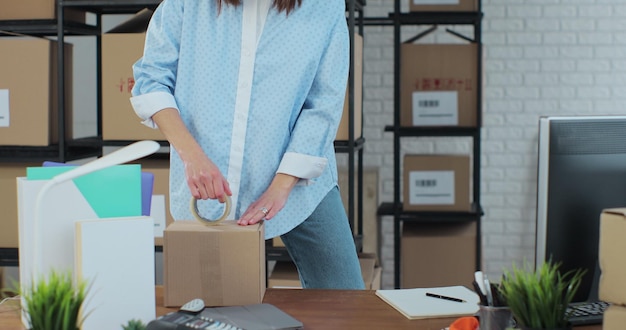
(542, 57)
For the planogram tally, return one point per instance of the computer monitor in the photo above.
(581, 171)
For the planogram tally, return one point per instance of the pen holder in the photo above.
(495, 317)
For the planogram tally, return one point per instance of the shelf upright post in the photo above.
(477, 139)
(61, 81)
(99, 75)
(396, 146)
(351, 144)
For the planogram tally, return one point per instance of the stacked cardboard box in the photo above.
(9, 172)
(436, 183)
(438, 85)
(36, 9)
(29, 89)
(436, 254)
(284, 275)
(343, 130)
(122, 46)
(613, 266)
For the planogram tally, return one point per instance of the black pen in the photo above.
(434, 295)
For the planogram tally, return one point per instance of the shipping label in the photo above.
(4, 108)
(431, 187)
(436, 2)
(435, 108)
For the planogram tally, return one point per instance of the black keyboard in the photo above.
(589, 312)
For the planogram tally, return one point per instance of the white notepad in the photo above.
(415, 304)
(116, 257)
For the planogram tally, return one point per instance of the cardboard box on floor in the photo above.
(9, 172)
(222, 264)
(611, 256)
(443, 5)
(36, 9)
(614, 318)
(285, 274)
(438, 254)
(436, 183)
(343, 132)
(438, 85)
(122, 46)
(28, 92)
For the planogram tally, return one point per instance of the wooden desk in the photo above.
(317, 309)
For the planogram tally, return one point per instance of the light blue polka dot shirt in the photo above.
(262, 94)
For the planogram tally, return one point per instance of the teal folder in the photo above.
(112, 192)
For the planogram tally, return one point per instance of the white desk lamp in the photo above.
(129, 153)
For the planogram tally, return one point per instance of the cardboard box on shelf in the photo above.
(161, 170)
(343, 130)
(9, 172)
(614, 318)
(224, 264)
(611, 256)
(37, 9)
(438, 85)
(29, 89)
(285, 274)
(436, 183)
(443, 5)
(122, 46)
(437, 254)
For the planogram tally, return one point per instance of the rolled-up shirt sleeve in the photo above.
(319, 118)
(302, 166)
(155, 71)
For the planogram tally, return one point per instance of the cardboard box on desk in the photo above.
(614, 318)
(436, 183)
(224, 264)
(611, 256)
(28, 92)
(443, 5)
(438, 85)
(36, 9)
(122, 46)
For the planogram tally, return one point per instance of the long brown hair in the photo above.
(282, 5)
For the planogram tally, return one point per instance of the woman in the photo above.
(249, 94)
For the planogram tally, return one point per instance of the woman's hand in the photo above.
(204, 178)
(271, 202)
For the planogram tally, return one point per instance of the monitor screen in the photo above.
(581, 171)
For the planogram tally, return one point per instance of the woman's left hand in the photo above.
(271, 202)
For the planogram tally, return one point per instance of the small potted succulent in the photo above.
(134, 325)
(539, 298)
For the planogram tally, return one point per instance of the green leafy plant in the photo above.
(134, 325)
(538, 299)
(55, 302)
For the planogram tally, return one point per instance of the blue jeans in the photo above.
(322, 247)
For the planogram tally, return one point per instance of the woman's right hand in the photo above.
(204, 178)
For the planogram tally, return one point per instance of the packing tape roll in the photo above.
(209, 222)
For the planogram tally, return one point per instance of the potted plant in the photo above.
(134, 325)
(54, 302)
(539, 299)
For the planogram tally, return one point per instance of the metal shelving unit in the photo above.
(399, 19)
(74, 149)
